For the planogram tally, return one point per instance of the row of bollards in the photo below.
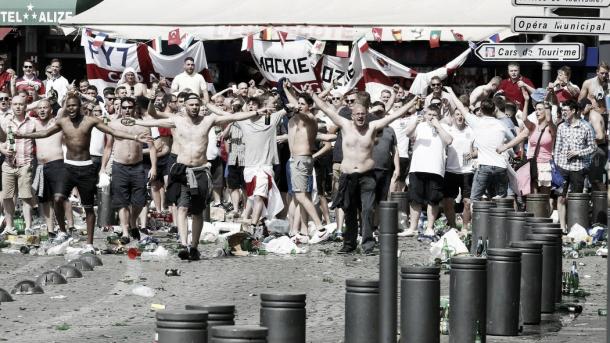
(282, 319)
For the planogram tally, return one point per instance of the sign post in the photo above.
(563, 3)
(539, 52)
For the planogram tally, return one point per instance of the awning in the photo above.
(341, 20)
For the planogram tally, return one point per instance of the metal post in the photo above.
(608, 291)
(388, 271)
(546, 66)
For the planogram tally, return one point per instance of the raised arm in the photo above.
(239, 116)
(152, 111)
(381, 123)
(514, 142)
(330, 112)
(442, 133)
(107, 152)
(99, 124)
(51, 130)
(166, 123)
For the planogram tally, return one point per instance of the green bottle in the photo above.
(11, 139)
(478, 337)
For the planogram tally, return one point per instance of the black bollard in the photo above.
(498, 231)
(181, 326)
(361, 311)
(531, 280)
(503, 284)
(578, 210)
(533, 221)
(515, 225)
(388, 274)
(558, 233)
(599, 202)
(538, 204)
(217, 315)
(283, 314)
(551, 246)
(468, 296)
(480, 221)
(506, 203)
(239, 334)
(420, 291)
(105, 213)
(402, 198)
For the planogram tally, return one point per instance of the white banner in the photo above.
(106, 63)
(290, 61)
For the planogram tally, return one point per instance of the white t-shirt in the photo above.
(212, 150)
(193, 82)
(96, 147)
(400, 128)
(60, 85)
(461, 145)
(428, 150)
(260, 141)
(490, 133)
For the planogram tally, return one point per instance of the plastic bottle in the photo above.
(477, 332)
(480, 246)
(143, 291)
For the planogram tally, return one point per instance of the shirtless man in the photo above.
(357, 181)
(189, 178)
(76, 130)
(302, 130)
(484, 91)
(50, 174)
(128, 185)
(595, 90)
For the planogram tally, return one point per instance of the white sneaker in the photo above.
(429, 233)
(61, 237)
(407, 233)
(8, 231)
(300, 239)
(320, 236)
(89, 248)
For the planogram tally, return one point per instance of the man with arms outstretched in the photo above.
(80, 173)
(357, 181)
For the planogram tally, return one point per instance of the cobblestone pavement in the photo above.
(100, 307)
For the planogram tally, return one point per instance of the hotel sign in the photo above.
(35, 12)
(561, 25)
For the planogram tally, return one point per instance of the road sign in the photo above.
(561, 25)
(563, 3)
(542, 52)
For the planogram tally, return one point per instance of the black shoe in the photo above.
(194, 254)
(135, 233)
(346, 250)
(369, 252)
(173, 229)
(51, 235)
(228, 207)
(184, 254)
(124, 240)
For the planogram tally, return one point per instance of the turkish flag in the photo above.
(174, 37)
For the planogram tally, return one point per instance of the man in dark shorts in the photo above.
(189, 179)
(50, 175)
(76, 130)
(427, 168)
(128, 183)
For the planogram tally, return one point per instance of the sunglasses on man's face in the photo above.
(350, 101)
(28, 67)
(6, 98)
(126, 107)
(435, 84)
(336, 98)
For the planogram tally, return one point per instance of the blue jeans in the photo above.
(492, 179)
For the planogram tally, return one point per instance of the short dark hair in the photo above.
(129, 100)
(500, 103)
(108, 91)
(92, 87)
(566, 70)
(55, 60)
(510, 108)
(254, 100)
(75, 97)
(604, 65)
(308, 99)
(435, 108)
(487, 107)
(363, 98)
(189, 59)
(572, 104)
(182, 95)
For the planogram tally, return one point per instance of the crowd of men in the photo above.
(286, 152)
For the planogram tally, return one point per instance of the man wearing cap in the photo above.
(189, 179)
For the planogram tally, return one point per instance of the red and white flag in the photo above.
(363, 46)
(247, 43)
(173, 38)
(318, 47)
(282, 36)
(104, 69)
(375, 72)
(342, 50)
(100, 37)
(377, 32)
(420, 84)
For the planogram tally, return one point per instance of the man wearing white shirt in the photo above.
(402, 144)
(189, 79)
(57, 82)
(430, 139)
(490, 133)
(458, 170)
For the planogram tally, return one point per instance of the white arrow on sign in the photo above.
(563, 3)
(540, 52)
(561, 25)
